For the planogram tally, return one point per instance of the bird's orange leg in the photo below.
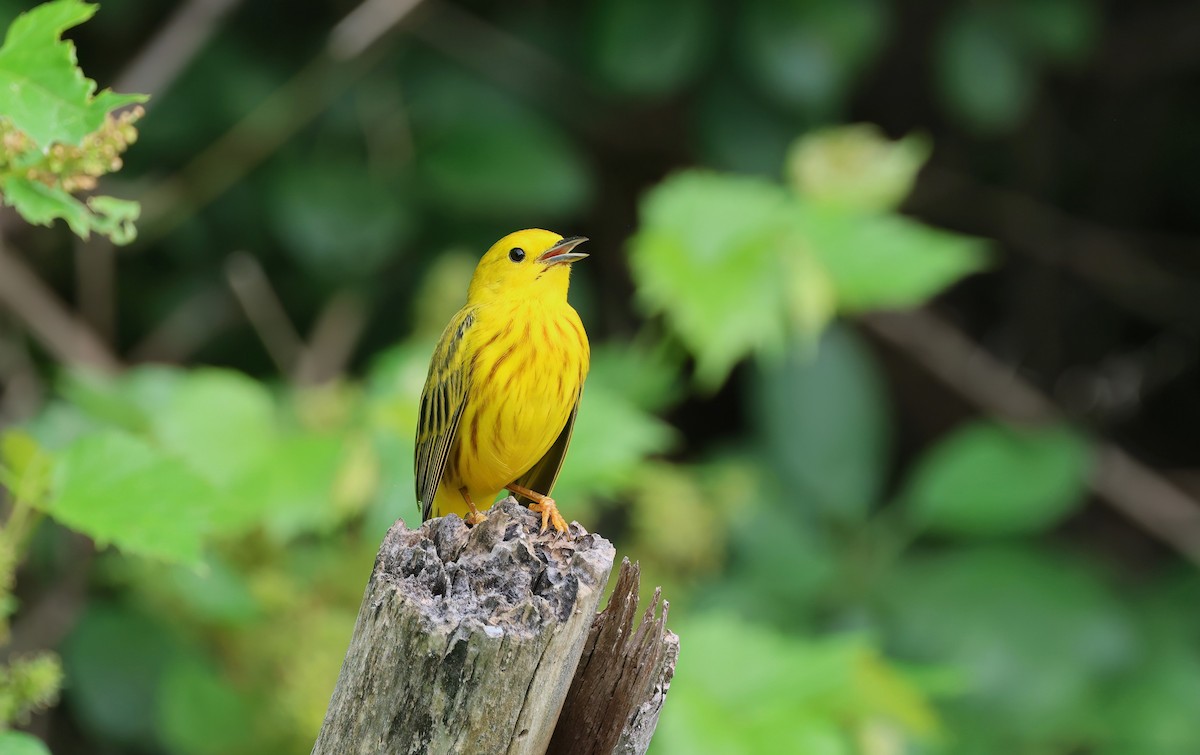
(474, 517)
(544, 505)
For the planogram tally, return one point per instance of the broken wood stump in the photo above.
(468, 640)
(622, 679)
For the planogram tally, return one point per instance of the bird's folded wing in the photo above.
(442, 402)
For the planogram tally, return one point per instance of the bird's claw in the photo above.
(474, 517)
(550, 515)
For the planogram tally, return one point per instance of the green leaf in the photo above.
(394, 388)
(758, 555)
(220, 422)
(42, 205)
(25, 467)
(482, 154)
(649, 49)
(393, 394)
(118, 489)
(1036, 635)
(824, 425)
(708, 255)
(1154, 708)
(737, 131)
(887, 261)
(673, 519)
(42, 90)
(115, 660)
(613, 437)
(759, 691)
(647, 376)
(856, 167)
(805, 54)
(1062, 31)
(988, 479)
(20, 743)
(290, 491)
(128, 401)
(115, 218)
(510, 165)
(810, 299)
(200, 713)
(321, 207)
(983, 76)
(214, 593)
(441, 292)
(59, 424)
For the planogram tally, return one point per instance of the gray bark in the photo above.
(468, 638)
(622, 679)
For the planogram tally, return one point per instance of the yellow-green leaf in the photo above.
(118, 489)
(42, 90)
(25, 467)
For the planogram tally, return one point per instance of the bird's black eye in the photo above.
(516, 254)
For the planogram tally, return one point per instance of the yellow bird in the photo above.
(504, 383)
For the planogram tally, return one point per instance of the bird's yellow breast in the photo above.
(528, 363)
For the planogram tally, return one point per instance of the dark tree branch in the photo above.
(1136, 490)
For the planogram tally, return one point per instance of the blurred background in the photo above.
(895, 313)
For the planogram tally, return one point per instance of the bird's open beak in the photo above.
(561, 254)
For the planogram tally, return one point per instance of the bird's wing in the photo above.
(442, 402)
(540, 478)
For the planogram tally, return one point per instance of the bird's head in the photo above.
(531, 264)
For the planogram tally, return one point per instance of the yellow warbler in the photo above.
(504, 383)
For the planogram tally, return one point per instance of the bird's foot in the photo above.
(550, 515)
(473, 516)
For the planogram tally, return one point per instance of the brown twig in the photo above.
(475, 42)
(187, 327)
(64, 335)
(1112, 261)
(1131, 487)
(96, 286)
(22, 386)
(332, 341)
(365, 25)
(152, 70)
(264, 310)
(47, 620)
(387, 134)
(528, 71)
(263, 130)
(1161, 42)
(172, 47)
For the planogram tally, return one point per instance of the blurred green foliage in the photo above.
(738, 265)
(20, 743)
(834, 595)
(991, 54)
(831, 696)
(989, 480)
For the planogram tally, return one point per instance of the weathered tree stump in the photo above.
(622, 679)
(468, 638)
